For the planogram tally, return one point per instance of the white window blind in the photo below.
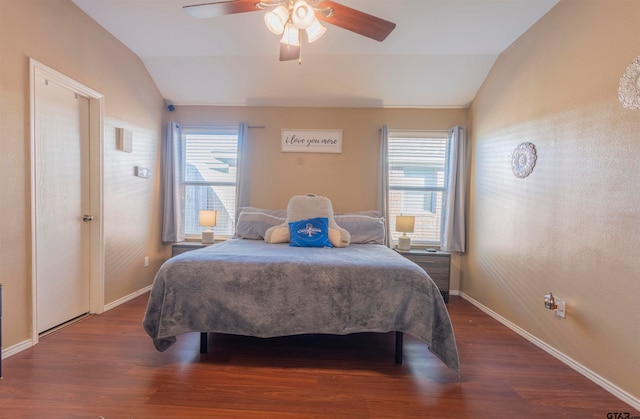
(210, 162)
(417, 179)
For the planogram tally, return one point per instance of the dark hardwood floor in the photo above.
(106, 366)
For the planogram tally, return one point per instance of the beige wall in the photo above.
(573, 226)
(349, 178)
(59, 35)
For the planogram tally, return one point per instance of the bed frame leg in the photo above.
(399, 338)
(203, 342)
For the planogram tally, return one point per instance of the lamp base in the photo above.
(404, 243)
(208, 237)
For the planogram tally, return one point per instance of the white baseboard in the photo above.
(126, 298)
(599, 380)
(18, 347)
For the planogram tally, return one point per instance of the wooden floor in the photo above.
(106, 366)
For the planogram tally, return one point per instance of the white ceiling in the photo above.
(438, 55)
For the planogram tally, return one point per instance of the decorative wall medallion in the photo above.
(629, 88)
(523, 160)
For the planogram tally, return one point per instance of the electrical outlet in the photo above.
(146, 261)
(561, 307)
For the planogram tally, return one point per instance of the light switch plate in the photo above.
(144, 172)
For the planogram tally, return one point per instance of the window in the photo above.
(418, 165)
(210, 162)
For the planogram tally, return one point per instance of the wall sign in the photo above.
(311, 141)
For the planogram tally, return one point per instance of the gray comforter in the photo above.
(249, 287)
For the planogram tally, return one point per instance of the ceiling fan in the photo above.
(293, 18)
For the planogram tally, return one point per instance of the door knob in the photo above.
(87, 218)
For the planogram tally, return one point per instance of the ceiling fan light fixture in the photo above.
(302, 14)
(276, 19)
(291, 35)
(315, 31)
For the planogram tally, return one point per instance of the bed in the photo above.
(253, 288)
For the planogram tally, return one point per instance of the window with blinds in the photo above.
(418, 167)
(210, 161)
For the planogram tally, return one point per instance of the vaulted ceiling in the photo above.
(437, 56)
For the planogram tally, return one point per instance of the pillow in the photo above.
(253, 222)
(363, 229)
(277, 234)
(303, 207)
(312, 232)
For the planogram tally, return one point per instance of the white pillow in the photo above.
(301, 207)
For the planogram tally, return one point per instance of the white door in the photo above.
(62, 238)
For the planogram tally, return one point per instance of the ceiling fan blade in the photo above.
(221, 8)
(356, 21)
(289, 52)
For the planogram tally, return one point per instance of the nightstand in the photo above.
(436, 264)
(178, 248)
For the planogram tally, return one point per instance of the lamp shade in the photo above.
(276, 19)
(208, 218)
(315, 31)
(302, 14)
(291, 35)
(405, 223)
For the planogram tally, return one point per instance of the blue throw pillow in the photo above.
(313, 232)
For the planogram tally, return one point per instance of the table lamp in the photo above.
(208, 218)
(405, 224)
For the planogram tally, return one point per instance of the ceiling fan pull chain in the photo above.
(300, 53)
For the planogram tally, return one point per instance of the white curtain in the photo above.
(453, 237)
(383, 185)
(242, 184)
(173, 210)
